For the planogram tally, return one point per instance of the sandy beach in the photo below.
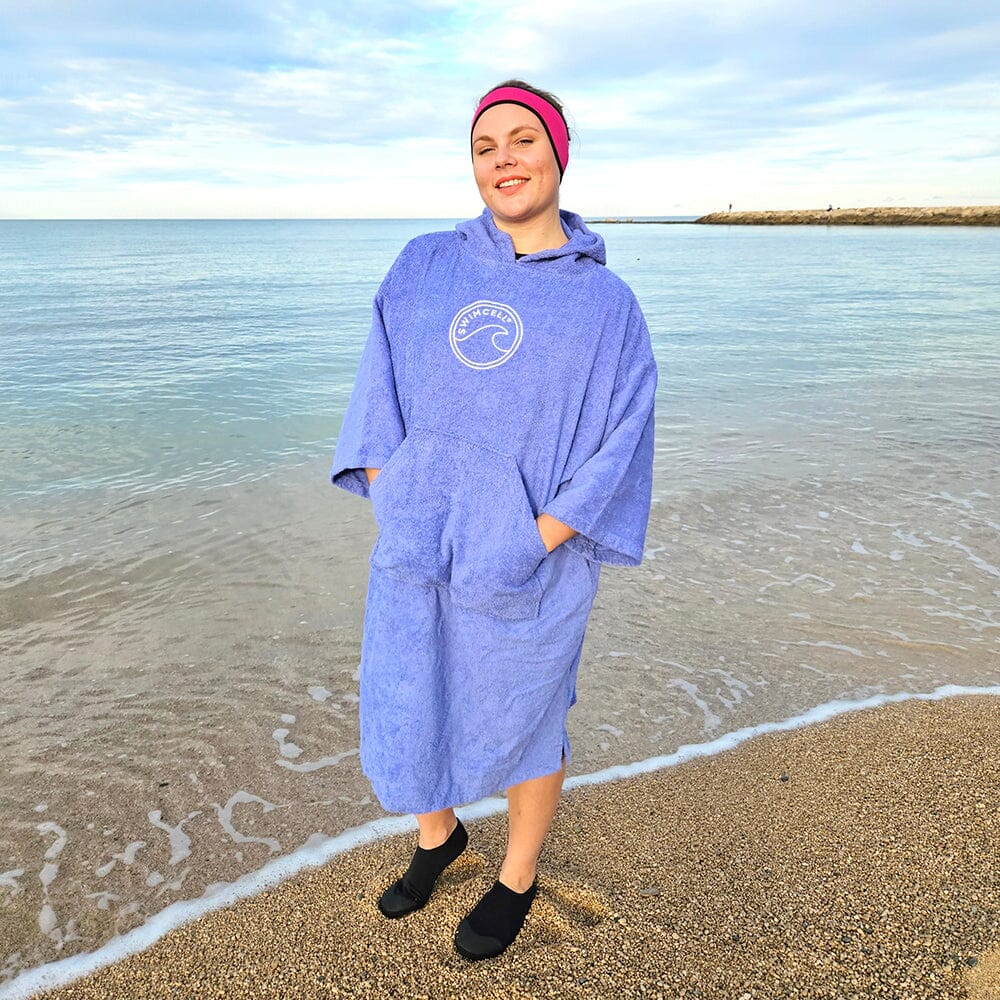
(182, 636)
(955, 215)
(859, 857)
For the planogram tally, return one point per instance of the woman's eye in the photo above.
(483, 149)
(525, 141)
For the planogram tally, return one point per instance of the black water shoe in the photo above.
(494, 922)
(412, 891)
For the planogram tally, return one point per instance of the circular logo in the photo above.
(485, 334)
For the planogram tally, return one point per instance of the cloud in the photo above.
(289, 96)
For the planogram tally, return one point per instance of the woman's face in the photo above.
(514, 165)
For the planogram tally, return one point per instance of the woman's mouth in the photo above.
(511, 182)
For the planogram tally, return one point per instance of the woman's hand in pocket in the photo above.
(553, 531)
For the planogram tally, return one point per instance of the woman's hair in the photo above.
(545, 95)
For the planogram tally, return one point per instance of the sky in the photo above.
(295, 109)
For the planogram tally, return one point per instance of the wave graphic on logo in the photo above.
(485, 334)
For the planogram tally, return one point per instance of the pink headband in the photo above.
(552, 121)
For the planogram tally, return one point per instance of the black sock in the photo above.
(494, 921)
(427, 864)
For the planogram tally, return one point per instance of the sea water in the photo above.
(181, 590)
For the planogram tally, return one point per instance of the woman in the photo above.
(502, 425)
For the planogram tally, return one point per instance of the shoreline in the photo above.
(748, 869)
(183, 656)
(978, 215)
(753, 650)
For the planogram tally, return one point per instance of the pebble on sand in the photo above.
(875, 873)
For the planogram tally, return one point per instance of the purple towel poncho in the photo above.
(491, 389)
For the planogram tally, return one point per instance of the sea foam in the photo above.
(318, 852)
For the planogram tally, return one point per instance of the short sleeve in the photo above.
(606, 500)
(373, 424)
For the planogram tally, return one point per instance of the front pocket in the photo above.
(455, 514)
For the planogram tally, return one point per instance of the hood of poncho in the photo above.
(482, 237)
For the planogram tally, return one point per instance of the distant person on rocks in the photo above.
(502, 425)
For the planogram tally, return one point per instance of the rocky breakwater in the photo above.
(976, 215)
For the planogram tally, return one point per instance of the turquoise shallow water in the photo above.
(181, 593)
(140, 355)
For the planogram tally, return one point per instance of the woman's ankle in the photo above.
(434, 832)
(517, 878)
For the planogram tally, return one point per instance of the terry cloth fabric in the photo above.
(490, 389)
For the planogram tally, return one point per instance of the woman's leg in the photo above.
(497, 918)
(442, 840)
(531, 807)
(436, 827)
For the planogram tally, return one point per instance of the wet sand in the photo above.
(857, 857)
(204, 725)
